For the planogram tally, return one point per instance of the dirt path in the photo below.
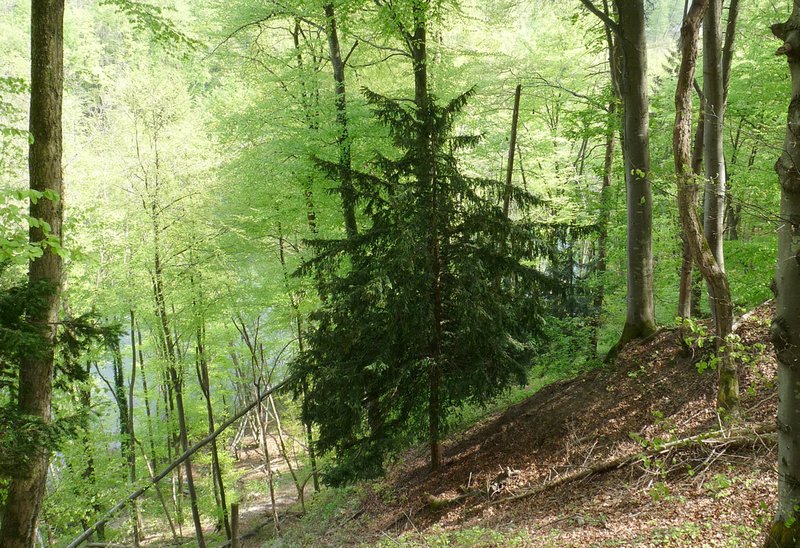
(255, 507)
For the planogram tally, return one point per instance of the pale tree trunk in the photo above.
(785, 331)
(713, 92)
(728, 390)
(25, 493)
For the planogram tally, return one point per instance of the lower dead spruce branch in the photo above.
(714, 439)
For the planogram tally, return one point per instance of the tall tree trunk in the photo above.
(728, 390)
(205, 385)
(135, 511)
(689, 288)
(714, 94)
(343, 133)
(512, 148)
(640, 319)
(25, 493)
(125, 423)
(605, 216)
(427, 180)
(175, 381)
(614, 67)
(785, 331)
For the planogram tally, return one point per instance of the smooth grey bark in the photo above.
(640, 317)
(785, 331)
(714, 115)
(25, 493)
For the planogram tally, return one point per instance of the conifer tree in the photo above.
(384, 368)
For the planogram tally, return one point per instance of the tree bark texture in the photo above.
(26, 491)
(714, 95)
(785, 331)
(728, 390)
(640, 319)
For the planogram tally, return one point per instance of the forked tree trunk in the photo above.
(728, 390)
(785, 331)
(25, 493)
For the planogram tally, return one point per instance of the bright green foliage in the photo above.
(375, 354)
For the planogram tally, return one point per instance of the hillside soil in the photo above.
(705, 495)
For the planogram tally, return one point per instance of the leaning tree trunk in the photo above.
(728, 391)
(26, 491)
(786, 326)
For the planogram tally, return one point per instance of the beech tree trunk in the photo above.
(714, 113)
(25, 493)
(640, 319)
(785, 331)
(728, 390)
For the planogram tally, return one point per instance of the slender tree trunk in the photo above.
(603, 222)
(125, 422)
(136, 517)
(713, 91)
(728, 390)
(785, 331)
(689, 289)
(512, 147)
(426, 177)
(175, 381)
(732, 212)
(20, 515)
(300, 486)
(205, 385)
(343, 133)
(614, 68)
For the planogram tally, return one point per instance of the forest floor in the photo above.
(702, 495)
